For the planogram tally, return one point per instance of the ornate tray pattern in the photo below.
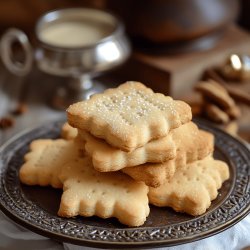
(25, 205)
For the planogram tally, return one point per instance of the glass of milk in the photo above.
(78, 42)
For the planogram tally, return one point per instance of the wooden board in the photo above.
(176, 74)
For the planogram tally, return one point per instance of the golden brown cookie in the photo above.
(192, 145)
(129, 116)
(87, 192)
(68, 132)
(214, 113)
(45, 160)
(232, 128)
(234, 112)
(216, 93)
(106, 158)
(191, 189)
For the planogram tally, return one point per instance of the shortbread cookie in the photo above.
(68, 132)
(129, 116)
(231, 128)
(192, 189)
(153, 174)
(44, 161)
(216, 114)
(106, 158)
(215, 92)
(80, 141)
(88, 192)
(192, 145)
(234, 112)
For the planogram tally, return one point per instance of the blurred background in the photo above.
(176, 44)
(24, 14)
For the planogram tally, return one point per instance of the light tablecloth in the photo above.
(15, 237)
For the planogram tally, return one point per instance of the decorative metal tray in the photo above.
(36, 207)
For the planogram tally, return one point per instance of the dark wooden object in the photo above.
(177, 74)
(174, 20)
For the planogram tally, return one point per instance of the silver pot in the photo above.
(81, 61)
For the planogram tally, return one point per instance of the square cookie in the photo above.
(191, 189)
(129, 116)
(87, 192)
(45, 160)
(191, 143)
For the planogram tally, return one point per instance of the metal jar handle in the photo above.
(10, 36)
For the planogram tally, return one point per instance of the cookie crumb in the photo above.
(20, 109)
(6, 122)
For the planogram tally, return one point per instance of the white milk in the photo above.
(73, 33)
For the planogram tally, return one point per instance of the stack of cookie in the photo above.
(139, 147)
(218, 105)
